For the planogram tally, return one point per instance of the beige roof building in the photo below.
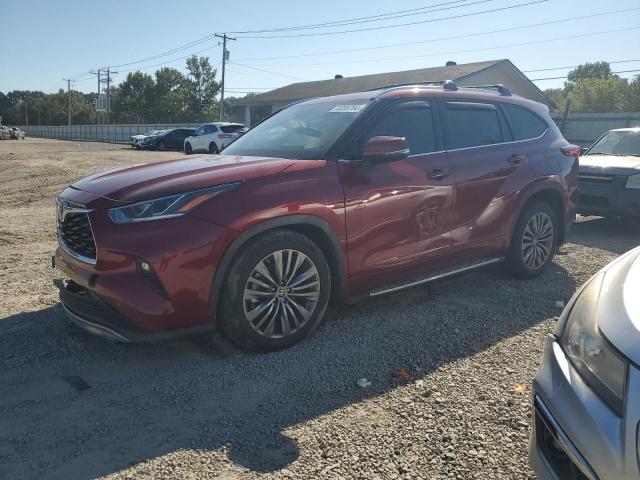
(253, 109)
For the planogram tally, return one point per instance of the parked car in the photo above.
(136, 139)
(16, 133)
(172, 139)
(5, 133)
(342, 197)
(586, 394)
(213, 137)
(610, 175)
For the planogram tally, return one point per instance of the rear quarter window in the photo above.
(232, 128)
(524, 123)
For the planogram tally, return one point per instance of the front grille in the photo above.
(75, 232)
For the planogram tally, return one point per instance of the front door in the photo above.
(398, 214)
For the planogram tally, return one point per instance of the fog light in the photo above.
(152, 279)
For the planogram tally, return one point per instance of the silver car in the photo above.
(586, 394)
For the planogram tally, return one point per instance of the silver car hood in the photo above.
(610, 164)
(619, 305)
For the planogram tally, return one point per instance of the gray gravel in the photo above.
(450, 367)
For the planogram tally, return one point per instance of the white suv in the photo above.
(213, 137)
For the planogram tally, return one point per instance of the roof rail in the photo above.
(498, 86)
(397, 85)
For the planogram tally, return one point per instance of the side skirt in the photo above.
(439, 274)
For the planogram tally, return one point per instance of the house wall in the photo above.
(507, 75)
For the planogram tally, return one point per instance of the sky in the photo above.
(47, 41)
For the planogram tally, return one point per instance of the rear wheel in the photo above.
(213, 148)
(187, 149)
(276, 292)
(534, 241)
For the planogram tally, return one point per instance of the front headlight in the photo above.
(633, 181)
(167, 207)
(601, 367)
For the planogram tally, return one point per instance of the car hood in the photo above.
(139, 182)
(610, 164)
(619, 305)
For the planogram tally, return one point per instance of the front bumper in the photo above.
(575, 435)
(609, 198)
(91, 313)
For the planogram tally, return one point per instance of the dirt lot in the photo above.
(74, 406)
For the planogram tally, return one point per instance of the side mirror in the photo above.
(583, 150)
(385, 149)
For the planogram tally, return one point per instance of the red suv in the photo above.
(341, 197)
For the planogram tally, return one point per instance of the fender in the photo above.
(548, 183)
(279, 222)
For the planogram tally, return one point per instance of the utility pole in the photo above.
(68, 99)
(225, 59)
(108, 95)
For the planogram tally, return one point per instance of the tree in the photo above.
(587, 70)
(202, 88)
(599, 94)
(133, 99)
(170, 96)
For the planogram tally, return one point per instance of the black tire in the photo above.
(519, 257)
(233, 319)
(161, 146)
(187, 149)
(213, 148)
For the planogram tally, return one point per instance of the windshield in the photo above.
(617, 143)
(305, 131)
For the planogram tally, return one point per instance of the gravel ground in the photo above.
(450, 366)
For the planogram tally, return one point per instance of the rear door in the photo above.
(490, 169)
(398, 213)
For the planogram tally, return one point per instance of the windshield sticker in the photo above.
(348, 108)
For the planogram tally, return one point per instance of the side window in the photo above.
(472, 124)
(524, 124)
(210, 129)
(200, 131)
(413, 123)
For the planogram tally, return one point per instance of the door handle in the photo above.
(517, 159)
(438, 173)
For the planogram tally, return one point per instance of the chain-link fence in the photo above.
(99, 133)
(585, 128)
(580, 128)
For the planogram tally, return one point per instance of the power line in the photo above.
(498, 47)
(168, 52)
(170, 61)
(574, 66)
(454, 37)
(372, 18)
(382, 27)
(268, 71)
(587, 75)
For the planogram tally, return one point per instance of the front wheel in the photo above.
(188, 150)
(162, 146)
(276, 292)
(534, 241)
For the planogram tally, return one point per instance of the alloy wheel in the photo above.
(281, 293)
(537, 240)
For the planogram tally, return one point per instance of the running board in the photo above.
(437, 275)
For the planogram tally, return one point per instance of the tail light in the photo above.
(225, 135)
(571, 151)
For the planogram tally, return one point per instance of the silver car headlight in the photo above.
(599, 364)
(633, 181)
(167, 207)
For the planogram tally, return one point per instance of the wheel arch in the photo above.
(550, 193)
(311, 226)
